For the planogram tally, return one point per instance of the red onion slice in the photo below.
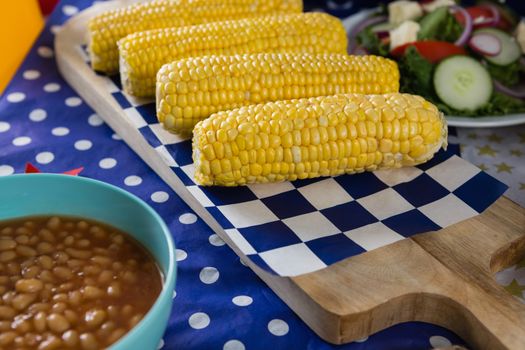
(485, 44)
(360, 26)
(518, 92)
(467, 29)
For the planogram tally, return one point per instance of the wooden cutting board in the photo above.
(445, 277)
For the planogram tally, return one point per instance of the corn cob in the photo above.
(227, 82)
(318, 136)
(109, 27)
(143, 54)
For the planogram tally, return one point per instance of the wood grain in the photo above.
(445, 277)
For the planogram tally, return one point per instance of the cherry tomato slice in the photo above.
(434, 51)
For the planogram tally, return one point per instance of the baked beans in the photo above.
(71, 283)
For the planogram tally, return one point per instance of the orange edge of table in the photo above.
(20, 24)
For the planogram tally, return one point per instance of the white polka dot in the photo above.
(69, 10)
(83, 145)
(107, 163)
(6, 170)
(216, 240)
(16, 97)
(55, 29)
(233, 344)
(174, 295)
(242, 300)
(362, 340)
(31, 74)
(278, 327)
(60, 131)
(44, 51)
(209, 275)
(199, 320)
(160, 197)
(4, 126)
(51, 87)
(188, 218)
(45, 157)
(116, 137)
(37, 115)
(73, 101)
(438, 341)
(133, 180)
(95, 120)
(161, 344)
(22, 141)
(180, 254)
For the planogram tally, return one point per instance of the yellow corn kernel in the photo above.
(252, 156)
(226, 165)
(255, 169)
(404, 146)
(243, 157)
(218, 148)
(357, 151)
(215, 167)
(236, 163)
(208, 152)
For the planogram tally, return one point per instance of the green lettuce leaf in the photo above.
(440, 25)
(507, 75)
(416, 73)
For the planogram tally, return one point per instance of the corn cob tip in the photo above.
(444, 131)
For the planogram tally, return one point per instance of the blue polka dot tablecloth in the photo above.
(219, 303)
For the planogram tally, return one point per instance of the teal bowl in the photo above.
(43, 194)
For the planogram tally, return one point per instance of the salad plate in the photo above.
(487, 121)
(353, 22)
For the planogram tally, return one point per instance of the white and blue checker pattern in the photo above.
(292, 228)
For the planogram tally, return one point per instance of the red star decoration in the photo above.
(31, 169)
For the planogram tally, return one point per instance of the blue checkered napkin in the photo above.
(292, 228)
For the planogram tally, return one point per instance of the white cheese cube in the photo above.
(405, 33)
(402, 10)
(431, 6)
(520, 35)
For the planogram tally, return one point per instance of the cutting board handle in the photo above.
(473, 254)
(486, 321)
(508, 255)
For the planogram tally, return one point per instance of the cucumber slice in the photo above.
(510, 50)
(462, 83)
